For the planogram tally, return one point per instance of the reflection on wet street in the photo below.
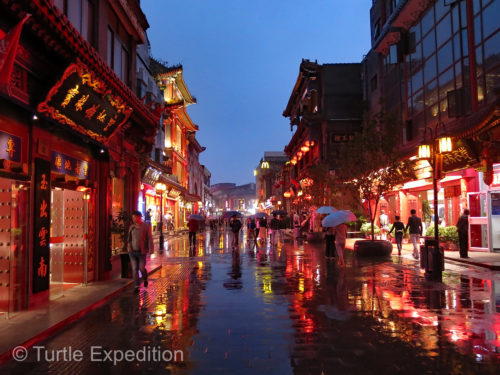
(285, 310)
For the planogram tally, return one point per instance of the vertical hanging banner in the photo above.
(41, 229)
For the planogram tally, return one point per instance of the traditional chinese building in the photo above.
(195, 173)
(266, 173)
(436, 64)
(177, 126)
(326, 107)
(72, 132)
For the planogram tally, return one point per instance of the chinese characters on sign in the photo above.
(10, 147)
(461, 157)
(67, 165)
(41, 241)
(84, 102)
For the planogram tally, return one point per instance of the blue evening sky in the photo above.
(241, 60)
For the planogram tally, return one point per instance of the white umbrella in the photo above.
(326, 210)
(337, 218)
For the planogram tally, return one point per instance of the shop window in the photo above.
(409, 130)
(490, 19)
(117, 55)
(81, 15)
(430, 69)
(445, 57)
(455, 103)
(492, 52)
(443, 30)
(429, 45)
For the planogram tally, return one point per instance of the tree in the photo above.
(371, 165)
(323, 186)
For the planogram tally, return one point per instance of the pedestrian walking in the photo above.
(235, 225)
(193, 226)
(330, 243)
(276, 230)
(340, 238)
(140, 243)
(296, 225)
(251, 229)
(415, 226)
(263, 228)
(399, 231)
(383, 220)
(147, 217)
(463, 233)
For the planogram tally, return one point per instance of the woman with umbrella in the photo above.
(338, 219)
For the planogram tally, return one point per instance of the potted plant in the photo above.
(448, 236)
(119, 232)
(370, 165)
(366, 230)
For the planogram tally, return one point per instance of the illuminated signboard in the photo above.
(67, 165)
(10, 147)
(461, 157)
(83, 102)
(41, 232)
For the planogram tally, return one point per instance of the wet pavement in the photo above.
(284, 310)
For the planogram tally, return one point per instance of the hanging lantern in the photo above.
(293, 161)
(444, 145)
(307, 143)
(424, 152)
(287, 194)
(304, 149)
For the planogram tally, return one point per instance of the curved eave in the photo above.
(177, 75)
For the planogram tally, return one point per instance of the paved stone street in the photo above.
(283, 310)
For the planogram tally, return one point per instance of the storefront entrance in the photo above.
(478, 221)
(14, 196)
(68, 240)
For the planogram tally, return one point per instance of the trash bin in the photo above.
(126, 269)
(432, 259)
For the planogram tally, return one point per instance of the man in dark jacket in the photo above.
(193, 228)
(235, 229)
(415, 227)
(463, 233)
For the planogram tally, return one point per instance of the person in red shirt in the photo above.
(193, 228)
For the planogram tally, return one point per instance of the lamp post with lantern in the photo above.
(433, 152)
(161, 188)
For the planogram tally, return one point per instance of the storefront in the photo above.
(484, 220)
(14, 215)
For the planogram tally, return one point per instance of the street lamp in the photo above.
(160, 188)
(433, 152)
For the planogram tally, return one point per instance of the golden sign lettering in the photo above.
(58, 162)
(89, 113)
(70, 95)
(102, 116)
(11, 147)
(81, 102)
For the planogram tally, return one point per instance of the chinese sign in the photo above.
(462, 156)
(10, 147)
(41, 232)
(67, 165)
(83, 102)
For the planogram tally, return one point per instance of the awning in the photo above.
(417, 185)
(192, 197)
